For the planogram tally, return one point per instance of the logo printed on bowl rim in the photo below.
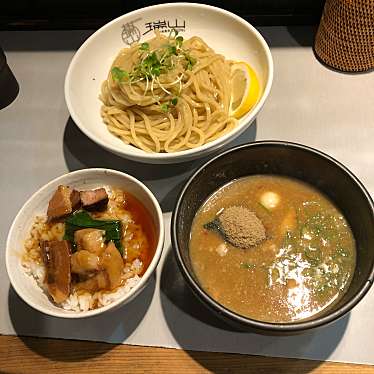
(132, 34)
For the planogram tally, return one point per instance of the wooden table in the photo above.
(35, 355)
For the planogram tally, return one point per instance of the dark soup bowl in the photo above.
(299, 162)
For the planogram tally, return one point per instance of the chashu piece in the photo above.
(91, 240)
(110, 274)
(64, 201)
(83, 262)
(99, 281)
(112, 263)
(94, 199)
(56, 257)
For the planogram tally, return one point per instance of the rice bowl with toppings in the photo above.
(82, 300)
(79, 282)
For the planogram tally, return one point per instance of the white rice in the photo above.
(35, 270)
(82, 302)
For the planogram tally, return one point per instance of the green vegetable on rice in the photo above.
(82, 220)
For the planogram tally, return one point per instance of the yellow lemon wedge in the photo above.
(245, 89)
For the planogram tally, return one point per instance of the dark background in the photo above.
(85, 14)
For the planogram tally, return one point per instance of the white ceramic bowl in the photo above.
(25, 286)
(225, 32)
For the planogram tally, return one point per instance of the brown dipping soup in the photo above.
(302, 268)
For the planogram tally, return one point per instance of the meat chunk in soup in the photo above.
(64, 201)
(99, 281)
(112, 263)
(91, 240)
(83, 262)
(56, 257)
(110, 272)
(94, 199)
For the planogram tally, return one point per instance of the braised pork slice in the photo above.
(94, 199)
(109, 275)
(83, 262)
(75, 199)
(112, 263)
(91, 240)
(56, 258)
(99, 281)
(64, 201)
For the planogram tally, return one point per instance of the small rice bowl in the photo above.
(78, 300)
